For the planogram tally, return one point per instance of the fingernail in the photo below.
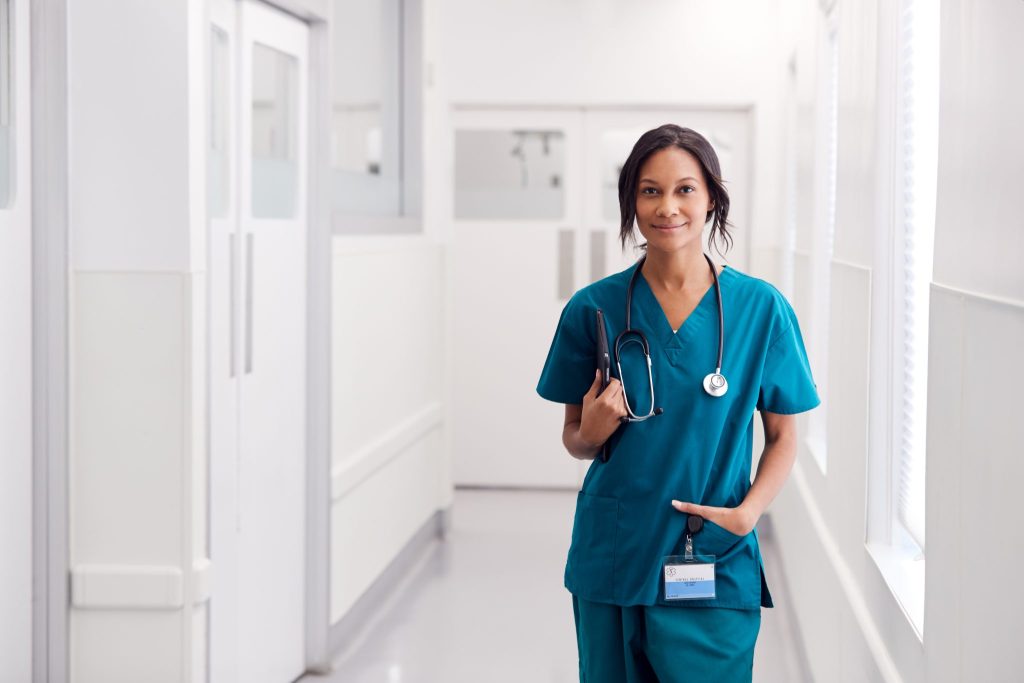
(675, 502)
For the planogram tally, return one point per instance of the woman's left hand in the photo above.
(738, 520)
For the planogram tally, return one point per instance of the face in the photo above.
(672, 200)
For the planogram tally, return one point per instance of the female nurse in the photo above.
(664, 565)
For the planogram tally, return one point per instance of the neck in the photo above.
(677, 270)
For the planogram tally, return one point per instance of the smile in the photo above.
(669, 227)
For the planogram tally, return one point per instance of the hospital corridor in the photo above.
(516, 341)
(469, 606)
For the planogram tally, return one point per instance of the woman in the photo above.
(658, 596)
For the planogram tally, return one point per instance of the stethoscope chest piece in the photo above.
(715, 384)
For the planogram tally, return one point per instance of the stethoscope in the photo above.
(714, 383)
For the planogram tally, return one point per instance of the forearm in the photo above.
(577, 446)
(772, 471)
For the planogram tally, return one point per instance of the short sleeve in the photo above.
(787, 386)
(569, 369)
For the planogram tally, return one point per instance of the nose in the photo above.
(667, 207)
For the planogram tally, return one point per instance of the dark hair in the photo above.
(694, 143)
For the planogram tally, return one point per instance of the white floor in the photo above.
(488, 605)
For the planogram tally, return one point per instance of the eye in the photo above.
(644, 190)
(688, 187)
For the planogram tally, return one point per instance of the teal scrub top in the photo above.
(698, 450)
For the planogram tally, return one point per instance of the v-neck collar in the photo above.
(655, 314)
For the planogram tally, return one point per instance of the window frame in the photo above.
(899, 557)
(823, 238)
(408, 60)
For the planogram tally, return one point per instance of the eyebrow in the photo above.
(648, 180)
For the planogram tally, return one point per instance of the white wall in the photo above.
(137, 224)
(391, 436)
(389, 468)
(852, 626)
(975, 431)
(16, 378)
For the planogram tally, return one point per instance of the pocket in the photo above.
(591, 564)
(715, 540)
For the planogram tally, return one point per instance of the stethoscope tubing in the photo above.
(630, 335)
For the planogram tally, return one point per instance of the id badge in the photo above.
(689, 577)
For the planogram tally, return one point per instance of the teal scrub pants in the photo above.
(661, 644)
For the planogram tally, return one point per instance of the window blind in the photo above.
(824, 242)
(918, 122)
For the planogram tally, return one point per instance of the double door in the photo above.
(257, 180)
(536, 217)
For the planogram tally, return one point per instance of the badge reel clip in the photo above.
(690, 576)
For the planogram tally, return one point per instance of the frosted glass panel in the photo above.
(274, 133)
(366, 107)
(361, 76)
(6, 105)
(217, 152)
(511, 174)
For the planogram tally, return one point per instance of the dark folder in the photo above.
(604, 364)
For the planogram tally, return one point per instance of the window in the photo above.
(217, 155)
(374, 139)
(824, 228)
(918, 150)
(896, 536)
(275, 171)
(509, 174)
(6, 105)
(791, 180)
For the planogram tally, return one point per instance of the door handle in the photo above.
(566, 263)
(598, 260)
(233, 309)
(248, 301)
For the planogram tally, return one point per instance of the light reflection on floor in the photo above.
(488, 605)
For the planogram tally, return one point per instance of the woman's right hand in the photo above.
(601, 414)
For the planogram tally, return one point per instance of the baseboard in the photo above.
(360, 618)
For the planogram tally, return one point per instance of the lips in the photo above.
(669, 227)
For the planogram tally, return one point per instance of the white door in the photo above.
(516, 260)
(536, 217)
(224, 315)
(258, 225)
(16, 598)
